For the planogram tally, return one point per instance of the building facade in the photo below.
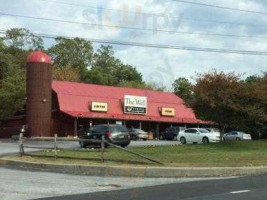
(64, 108)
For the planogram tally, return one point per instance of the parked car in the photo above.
(137, 134)
(198, 135)
(236, 136)
(115, 134)
(214, 130)
(171, 133)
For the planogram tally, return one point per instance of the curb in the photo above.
(149, 172)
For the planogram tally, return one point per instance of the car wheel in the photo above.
(82, 144)
(237, 139)
(205, 140)
(183, 140)
(145, 139)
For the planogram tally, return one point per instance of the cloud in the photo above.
(158, 65)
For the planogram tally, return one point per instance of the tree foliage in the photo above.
(76, 53)
(183, 88)
(227, 100)
(108, 70)
(12, 92)
(66, 74)
(19, 38)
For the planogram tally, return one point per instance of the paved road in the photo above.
(18, 184)
(246, 188)
(10, 146)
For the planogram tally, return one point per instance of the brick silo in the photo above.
(39, 94)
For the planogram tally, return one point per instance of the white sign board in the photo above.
(99, 107)
(135, 105)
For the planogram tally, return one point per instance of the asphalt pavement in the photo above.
(29, 184)
(245, 188)
(9, 146)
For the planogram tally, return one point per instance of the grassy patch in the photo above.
(229, 154)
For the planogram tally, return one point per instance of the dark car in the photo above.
(171, 133)
(137, 134)
(115, 134)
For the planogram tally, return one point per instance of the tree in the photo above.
(1, 44)
(19, 38)
(226, 100)
(183, 88)
(127, 73)
(104, 60)
(108, 70)
(12, 92)
(66, 74)
(252, 79)
(94, 76)
(76, 53)
(6, 60)
(14, 50)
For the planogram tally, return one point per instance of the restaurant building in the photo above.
(78, 105)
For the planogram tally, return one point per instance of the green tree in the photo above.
(94, 76)
(6, 60)
(226, 100)
(15, 46)
(105, 61)
(2, 46)
(183, 88)
(19, 38)
(76, 53)
(12, 92)
(252, 79)
(108, 70)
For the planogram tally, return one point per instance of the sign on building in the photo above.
(99, 107)
(169, 112)
(135, 105)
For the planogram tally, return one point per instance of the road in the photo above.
(22, 185)
(11, 147)
(246, 188)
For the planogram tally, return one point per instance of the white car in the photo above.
(198, 135)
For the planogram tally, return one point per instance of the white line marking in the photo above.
(241, 191)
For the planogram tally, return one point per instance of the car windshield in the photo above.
(118, 129)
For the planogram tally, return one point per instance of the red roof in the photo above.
(39, 57)
(74, 99)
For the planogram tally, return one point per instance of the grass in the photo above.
(229, 154)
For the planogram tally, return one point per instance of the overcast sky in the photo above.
(157, 65)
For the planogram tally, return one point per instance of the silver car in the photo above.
(236, 136)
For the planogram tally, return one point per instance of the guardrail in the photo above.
(103, 142)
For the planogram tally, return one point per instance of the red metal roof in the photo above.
(74, 99)
(39, 57)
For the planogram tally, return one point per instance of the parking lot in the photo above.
(11, 146)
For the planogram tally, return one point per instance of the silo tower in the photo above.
(39, 94)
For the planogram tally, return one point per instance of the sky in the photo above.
(145, 17)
